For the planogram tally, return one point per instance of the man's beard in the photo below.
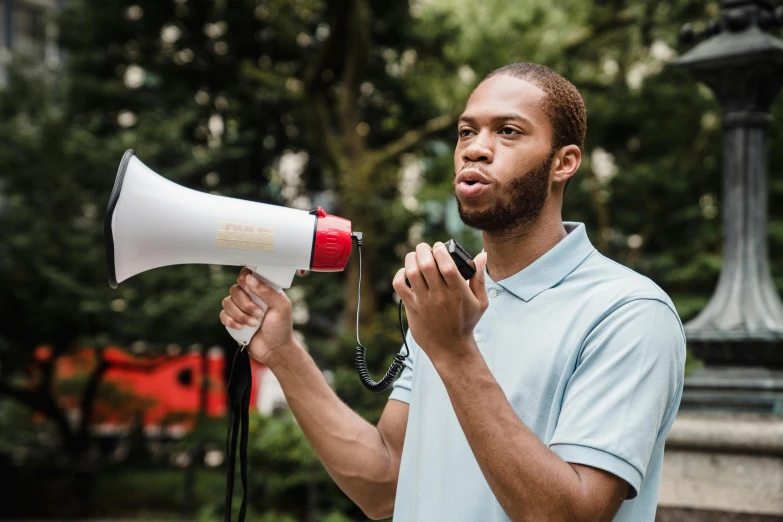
(526, 197)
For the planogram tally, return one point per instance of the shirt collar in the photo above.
(552, 267)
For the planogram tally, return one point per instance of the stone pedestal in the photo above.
(666, 514)
(723, 466)
(748, 389)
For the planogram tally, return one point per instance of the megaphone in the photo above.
(153, 222)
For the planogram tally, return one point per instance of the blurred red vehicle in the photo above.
(164, 393)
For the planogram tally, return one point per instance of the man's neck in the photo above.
(511, 251)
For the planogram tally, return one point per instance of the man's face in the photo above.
(503, 155)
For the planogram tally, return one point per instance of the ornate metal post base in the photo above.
(743, 65)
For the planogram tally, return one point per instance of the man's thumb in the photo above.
(477, 281)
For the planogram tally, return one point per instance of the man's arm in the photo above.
(363, 460)
(527, 478)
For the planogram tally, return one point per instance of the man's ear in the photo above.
(567, 161)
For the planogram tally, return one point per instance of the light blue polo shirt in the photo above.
(591, 356)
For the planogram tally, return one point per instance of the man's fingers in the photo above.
(428, 266)
(243, 301)
(402, 289)
(237, 314)
(251, 284)
(242, 275)
(228, 321)
(413, 273)
(448, 269)
(477, 282)
(266, 293)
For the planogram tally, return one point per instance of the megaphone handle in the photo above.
(244, 335)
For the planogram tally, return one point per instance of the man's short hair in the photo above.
(564, 104)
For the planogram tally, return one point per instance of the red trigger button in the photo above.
(318, 211)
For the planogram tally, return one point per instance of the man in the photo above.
(541, 390)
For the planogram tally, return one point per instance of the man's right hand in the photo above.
(239, 310)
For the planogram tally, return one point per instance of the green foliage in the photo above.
(286, 480)
(23, 439)
(153, 491)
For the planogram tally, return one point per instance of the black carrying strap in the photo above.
(239, 384)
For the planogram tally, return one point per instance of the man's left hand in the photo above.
(442, 308)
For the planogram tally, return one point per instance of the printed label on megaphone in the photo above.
(245, 236)
(153, 222)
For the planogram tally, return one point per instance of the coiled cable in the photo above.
(361, 363)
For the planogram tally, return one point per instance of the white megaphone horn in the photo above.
(153, 222)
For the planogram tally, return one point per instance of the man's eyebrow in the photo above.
(496, 119)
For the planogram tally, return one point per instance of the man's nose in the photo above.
(479, 149)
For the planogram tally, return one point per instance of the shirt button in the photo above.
(493, 293)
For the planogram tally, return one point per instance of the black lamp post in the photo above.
(743, 64)
(739, 334)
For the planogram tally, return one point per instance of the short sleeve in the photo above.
(626, 383)
(403, 386)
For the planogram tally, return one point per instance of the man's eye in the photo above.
(508, 131)
(465, 133)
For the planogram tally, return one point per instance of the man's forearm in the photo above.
(351, 449)
(527, 478)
